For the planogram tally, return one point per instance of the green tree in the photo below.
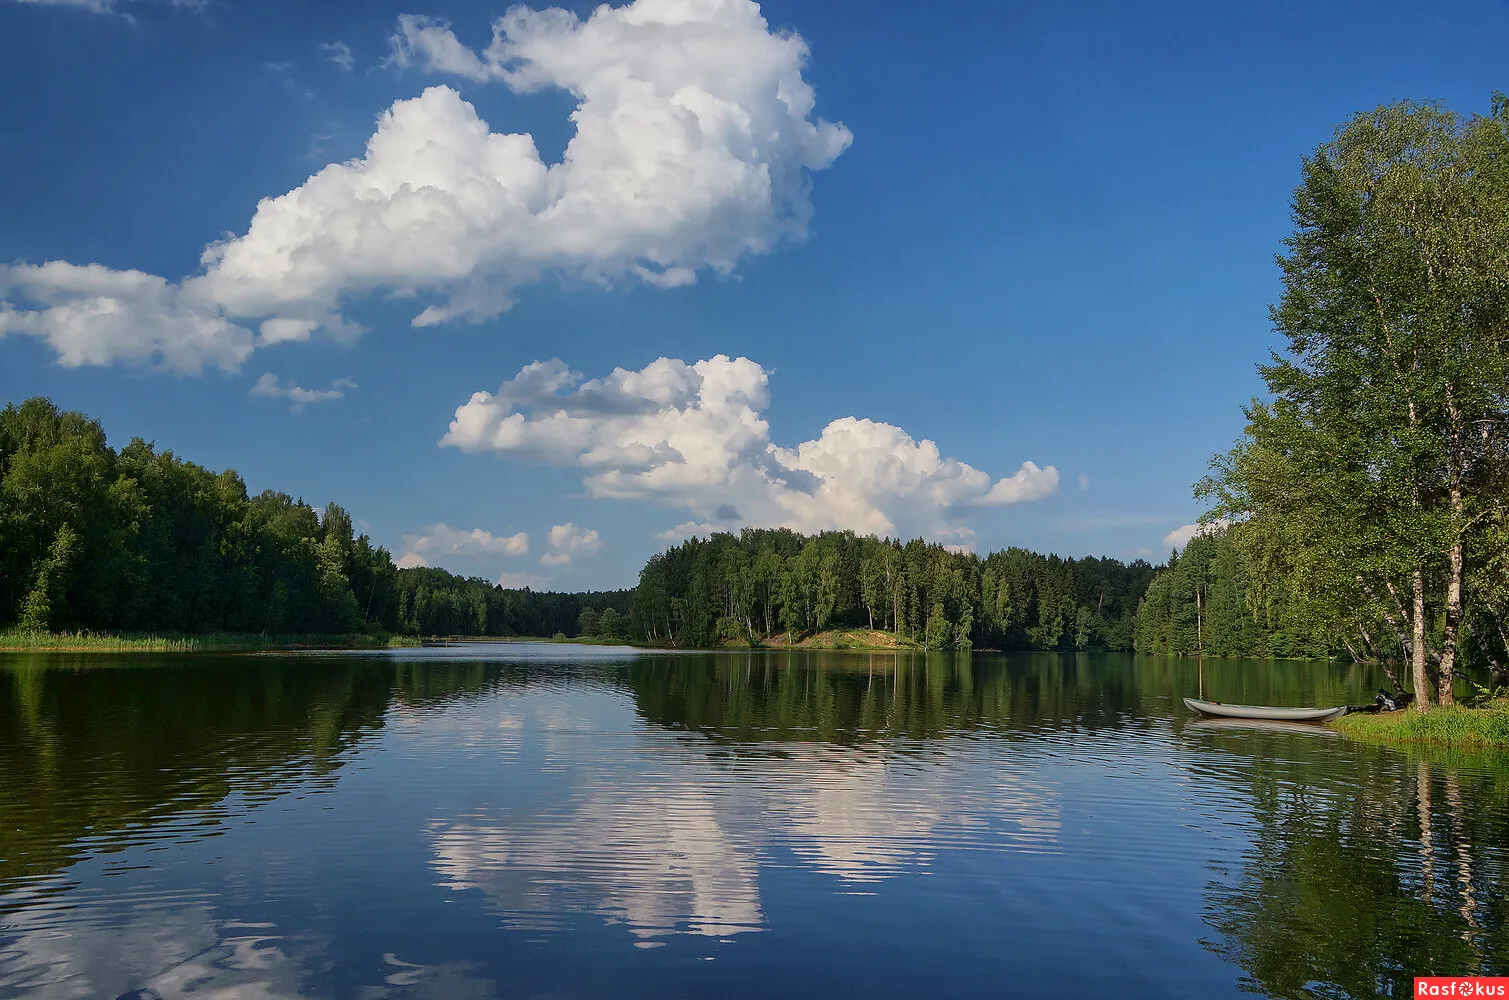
(1376, 465)
(48, 594)
(939, 633)
(612, 625)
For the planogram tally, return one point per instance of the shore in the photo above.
(91, 642)
(853, 640)
(1484, 727)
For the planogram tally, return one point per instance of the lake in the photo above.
(537, 820)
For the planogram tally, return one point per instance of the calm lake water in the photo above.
(552, 821)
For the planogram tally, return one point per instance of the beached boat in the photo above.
(1220, 711)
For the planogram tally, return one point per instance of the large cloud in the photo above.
(692, 436)
(692, 146)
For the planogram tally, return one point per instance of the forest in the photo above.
(141, 541)
(432, 602)
(1209, 600)
(762, 583)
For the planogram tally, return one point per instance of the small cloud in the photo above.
(523, 581)
(1084, 481)
(279, 330)
(109, 6)
(685, 530)
(340, 54)
(1182, 536)
(411, 560)
(96, 6)
(568, 542)
(298, 397)
(1144, 552)
(443, 540)
(284, 73)
(1027, 483)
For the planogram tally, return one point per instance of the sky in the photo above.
(536, 292)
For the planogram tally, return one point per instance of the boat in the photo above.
(1268, 712)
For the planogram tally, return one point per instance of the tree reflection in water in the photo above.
(1353, 890)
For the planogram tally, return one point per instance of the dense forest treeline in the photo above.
(434, 602)
(139, 540)
(1211, 600)
(763, 583)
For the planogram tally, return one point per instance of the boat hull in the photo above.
(1219, 711)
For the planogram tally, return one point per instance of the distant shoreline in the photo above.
(93, 642)
(832, 640)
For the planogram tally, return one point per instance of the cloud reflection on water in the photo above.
(668, 834)
(168, 947)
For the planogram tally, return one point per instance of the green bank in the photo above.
(1452, 726)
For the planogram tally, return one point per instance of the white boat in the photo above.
(1220, 711)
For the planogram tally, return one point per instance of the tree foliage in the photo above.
(434, 602)
(141, 540)
(1372, 484)
(1209, 601)
(761, 583)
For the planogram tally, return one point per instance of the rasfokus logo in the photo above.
(1462, 986)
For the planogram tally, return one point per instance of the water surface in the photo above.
(520, 820)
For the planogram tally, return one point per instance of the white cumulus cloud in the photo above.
(270, 386)
(694, 141)
(439, 540)
(93, 315)
(692, 436)
(567, 542)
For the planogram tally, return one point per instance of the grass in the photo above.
(1455, 726)
(854, 638)
(103, 642)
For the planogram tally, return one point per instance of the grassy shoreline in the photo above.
(1486, 727)
(849, 640)
(96, 642)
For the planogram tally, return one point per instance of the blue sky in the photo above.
(1028, 233)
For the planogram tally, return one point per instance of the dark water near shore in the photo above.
(535, 820)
